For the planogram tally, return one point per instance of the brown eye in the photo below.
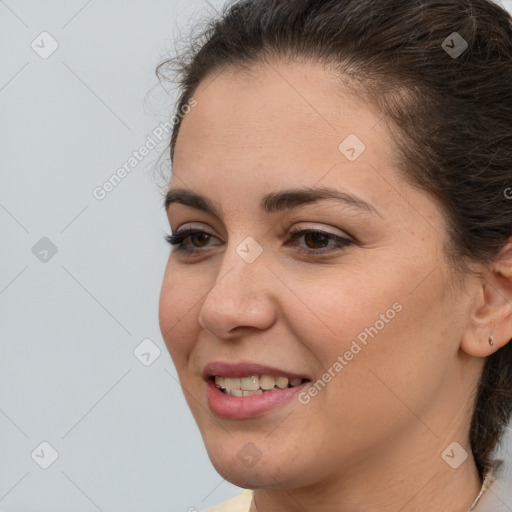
(317, 242)
(316, 239)
(190, 240)
(203, 239)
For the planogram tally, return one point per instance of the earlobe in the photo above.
(479, 346)
(490, 326)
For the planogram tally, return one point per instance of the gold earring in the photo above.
(491, 340)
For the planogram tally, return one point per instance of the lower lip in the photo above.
(241, 407)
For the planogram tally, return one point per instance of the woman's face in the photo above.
(375, 322)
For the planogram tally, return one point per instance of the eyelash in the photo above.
(179, 238)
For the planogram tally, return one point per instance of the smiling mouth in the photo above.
(254, 384)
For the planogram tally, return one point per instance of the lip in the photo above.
(244, 407)
(246, 369)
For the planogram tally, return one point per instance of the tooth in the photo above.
(231, 383)
(252, 392)
(267, 382)
(219, 381)
(295, 382)
(282, 382)
(234, 392)
(250, 383)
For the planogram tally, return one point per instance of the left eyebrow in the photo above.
(273, 202)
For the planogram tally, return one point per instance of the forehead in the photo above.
(281, 124)
(300, 100)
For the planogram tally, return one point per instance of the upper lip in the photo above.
(246, 369)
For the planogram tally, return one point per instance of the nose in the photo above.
(240, 299)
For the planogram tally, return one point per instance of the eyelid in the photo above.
(297, 226)
(192, 225)
(293, 227)
(341, 242)
(315, 227)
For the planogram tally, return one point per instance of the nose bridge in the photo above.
(239, 296)
(243, 265)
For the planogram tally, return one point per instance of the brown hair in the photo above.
(450, 115)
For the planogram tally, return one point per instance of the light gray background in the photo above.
(69, 325)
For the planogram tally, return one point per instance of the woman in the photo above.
(338, 298)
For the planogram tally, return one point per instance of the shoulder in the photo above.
(498, 496)
(239, 503)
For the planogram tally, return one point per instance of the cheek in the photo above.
(175, 314)
(355, 306)
(386, 338)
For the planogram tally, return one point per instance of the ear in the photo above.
(491, 313)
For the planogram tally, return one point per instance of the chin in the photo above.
(239, 462)
(242, 476)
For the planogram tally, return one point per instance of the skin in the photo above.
(372, 439)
